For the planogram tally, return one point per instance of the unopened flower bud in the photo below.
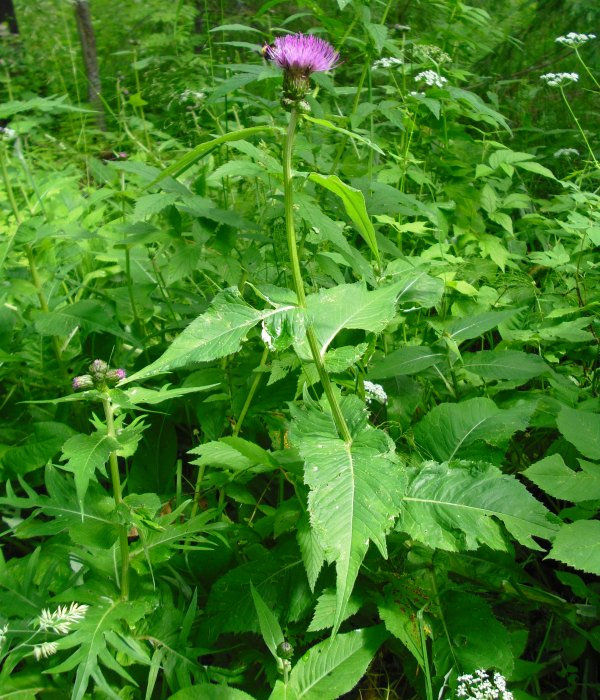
(98, 367)
(114, 376)
(285, 651)
(83, 382)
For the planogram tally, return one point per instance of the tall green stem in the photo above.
(288, 147)
(116, 484)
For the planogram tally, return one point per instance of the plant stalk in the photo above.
(116, 485)
(288, 147)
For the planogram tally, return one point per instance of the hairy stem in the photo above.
(340, 423)
(116, 484)
(253, 388)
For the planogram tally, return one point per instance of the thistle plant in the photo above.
(299, 56)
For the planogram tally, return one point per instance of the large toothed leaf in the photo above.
(512, 365)
(216, 333)
(460, 506)
(560, 481)
(86, 454)
(473, 429)
(333, 667)
(582, 429)
(355, 489)
(348, 306)
(578, 544)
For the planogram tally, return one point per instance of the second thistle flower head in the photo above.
(299, 55)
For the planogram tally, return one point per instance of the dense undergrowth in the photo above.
(374, 472)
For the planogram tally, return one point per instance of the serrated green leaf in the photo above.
(505, 364)
(470, 636)
(216, 333)
(355, 489)
(582, 429)
(456, 507)
(324, 615)
(84, 455)
(333, 667)
(472, 429)
(45, 441)
(578, 544)
(557, 479)
(404, 626)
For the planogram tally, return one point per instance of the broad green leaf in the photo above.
(457, 507)
(505, 364)
(84, 455)
(277, 575)
(324, 614)
(355, 489)
(216, 333)
(269, 626)
(582, 429)
(354, 204)
(536, 168)
(406, 361)
(470, 636)
(90, 315)
(210, 691)
(348, 306)
(281, 691)
(578, 544)
(150, 204)
(474, 326)
(472, 429)
(46, 439)
(333, 667)
(559, 481)
(403, 625)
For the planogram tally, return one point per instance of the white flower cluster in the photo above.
(62, 619)
(3, 631)
(481, 687)
(432, 53)
(566, 152)
(192, 96)
(558, 79)
(574, 39)
(415, 93)
(375, 392)
(387, 62)
(431, 78)
(7, 133)
(44, 650)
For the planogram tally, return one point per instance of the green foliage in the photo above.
(218, 527)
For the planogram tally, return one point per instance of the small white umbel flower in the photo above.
(483, 686)
(574, 39)
(431, 78)
(375, 392)
(559, 79)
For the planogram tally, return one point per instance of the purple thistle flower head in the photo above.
(302, 54)
(121, 373)
(84, 381)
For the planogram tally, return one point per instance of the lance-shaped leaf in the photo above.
(333, 667)
(355, 489)
(457, 507)
(216, 333)
(354, 204)
(560, 481)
